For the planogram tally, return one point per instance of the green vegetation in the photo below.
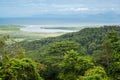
(17, 69)
(74, 65)
(96, 73)
(90, 54)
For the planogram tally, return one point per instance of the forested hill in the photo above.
(90, 54)
(90, 38)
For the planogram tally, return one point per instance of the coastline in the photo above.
(48, 28)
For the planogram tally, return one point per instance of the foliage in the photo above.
(96, 73)
(16, 69)
(54, 55)
(74, 65)
(90, 39)
(60, 48)
(114, 64)
(90, 54)
(114, 70)
(109, 57)
(3, 40)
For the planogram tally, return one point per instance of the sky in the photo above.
(30, 8)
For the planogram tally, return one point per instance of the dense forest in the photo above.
(89, 54)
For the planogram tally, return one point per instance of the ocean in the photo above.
(37, 24)
(50, 21)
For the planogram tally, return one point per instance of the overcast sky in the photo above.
(27, 8)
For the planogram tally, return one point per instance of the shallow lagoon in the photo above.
(48, 28)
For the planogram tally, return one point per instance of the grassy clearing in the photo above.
(9, 28)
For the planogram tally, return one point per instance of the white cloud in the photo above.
(79, 9)
(74, 9)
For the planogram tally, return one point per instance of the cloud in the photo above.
(74, 9)
(36, 7)
(79, 9)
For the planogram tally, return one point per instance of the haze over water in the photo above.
(32, 12)
(60, 12)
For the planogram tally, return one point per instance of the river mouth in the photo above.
(49, 29)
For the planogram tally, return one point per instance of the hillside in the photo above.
(89, 38)
(89, 54)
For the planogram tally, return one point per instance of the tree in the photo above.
(19, 69)
(110, 49)
(114, 45)
(111, 55)
(103, 57)
(114, 70)
(3, 40)
(74, 65)
(16, 67)
(55, 54)
(96, 73)
(11, 48)
(60, 48)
